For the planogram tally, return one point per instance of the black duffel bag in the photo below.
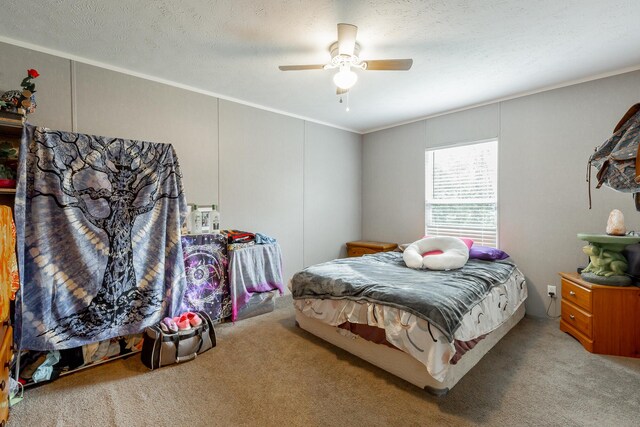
(161, 348)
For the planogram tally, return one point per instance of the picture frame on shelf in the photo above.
(206, 216)
(194, 219)
(202, 219)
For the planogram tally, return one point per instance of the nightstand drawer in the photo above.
(360, 251)
(364, 247)
(577, 318)
(577, 295)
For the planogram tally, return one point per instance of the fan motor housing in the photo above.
(333, 49)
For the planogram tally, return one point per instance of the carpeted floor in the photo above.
(267, 372)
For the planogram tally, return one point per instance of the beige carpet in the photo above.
(267, 372)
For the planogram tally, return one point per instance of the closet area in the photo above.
(96, 228)
(10, 133)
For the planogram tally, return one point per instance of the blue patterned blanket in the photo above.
(254, 269)
(440, 297)
(98, 225)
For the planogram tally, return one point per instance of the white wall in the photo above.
(544, 143)
(114, 104)
(392, 184)
(263, 169)
(261, 176)
(332, 192)
(466, 126)
(53, 86)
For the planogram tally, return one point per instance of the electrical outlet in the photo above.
(551, 291)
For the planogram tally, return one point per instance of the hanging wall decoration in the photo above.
(98, 237)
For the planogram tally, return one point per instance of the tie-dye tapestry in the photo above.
(99, 248)
(205, 260)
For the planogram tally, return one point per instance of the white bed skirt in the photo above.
(401, 364)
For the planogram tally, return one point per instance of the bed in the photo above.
(427, 327)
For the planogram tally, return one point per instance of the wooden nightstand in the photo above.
(362, 247)
(605, 319)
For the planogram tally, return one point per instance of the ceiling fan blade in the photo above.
(389, 64)
(301, 67)
(347, 39)
(341, 91)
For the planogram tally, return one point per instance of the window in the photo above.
(462, 192)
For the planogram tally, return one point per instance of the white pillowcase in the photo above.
(455, 253)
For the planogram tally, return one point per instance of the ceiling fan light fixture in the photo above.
(345, 78)
(345, 55)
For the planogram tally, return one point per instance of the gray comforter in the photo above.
(440, 297)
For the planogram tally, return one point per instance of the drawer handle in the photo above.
(572, 317)
(573, 294)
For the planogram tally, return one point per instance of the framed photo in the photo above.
(195, 221)
(206, 217)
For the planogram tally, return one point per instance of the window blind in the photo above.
(462, 192)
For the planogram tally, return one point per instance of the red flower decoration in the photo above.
(33, 73)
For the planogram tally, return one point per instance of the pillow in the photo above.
(487, 253)
(455, 253)
(466, 241)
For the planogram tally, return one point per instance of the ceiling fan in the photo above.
(344, 56)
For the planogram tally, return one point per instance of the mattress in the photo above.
(402, 364)
(416, 336)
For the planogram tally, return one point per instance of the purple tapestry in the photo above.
(205, 259)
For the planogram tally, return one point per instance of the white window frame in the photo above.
(429, 185)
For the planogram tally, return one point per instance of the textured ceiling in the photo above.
(465, 52)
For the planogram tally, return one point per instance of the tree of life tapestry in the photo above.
(99, 248)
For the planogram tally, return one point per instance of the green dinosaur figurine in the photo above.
(604, 262)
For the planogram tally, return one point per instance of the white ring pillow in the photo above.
(455, 253)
